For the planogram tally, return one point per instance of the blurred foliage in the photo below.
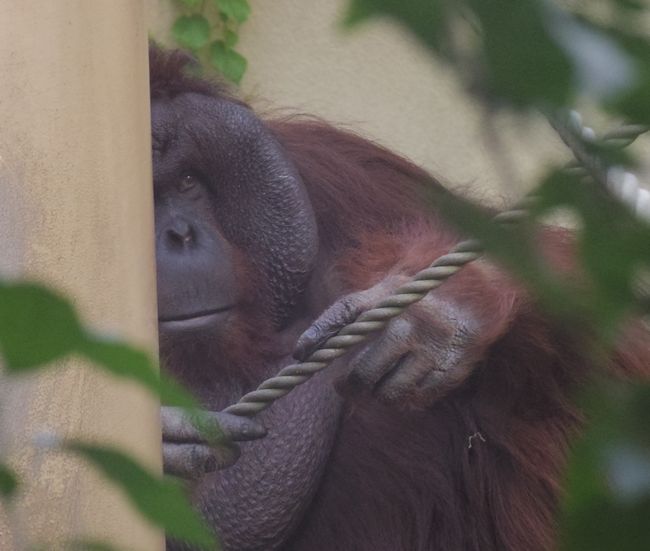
(78, 545)
(610, 243)
(210, 29)
(510, 54)
(87, 545)
(161, 500)
(608, 503)
(39, 327)
(531, 53)
(8, 482)
(524, 55)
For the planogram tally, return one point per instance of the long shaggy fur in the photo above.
(482, 469)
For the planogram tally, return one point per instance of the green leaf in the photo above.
(514, 247)
(191, 3)
(230, 38)
(427, 19)
(227, 61)
(631, 5)
(88, 545)
(161, 500)
(633, 103)
(601, 68)
(517, 249)
(125, 361)
(523, 63)
(607, 505)
(612, 244)
(359, 11)
(191, 31)
(37, 326)
(8, 482)
(237, 10)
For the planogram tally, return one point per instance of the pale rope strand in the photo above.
(621, 184)
(368, 322)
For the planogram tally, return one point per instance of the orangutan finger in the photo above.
(179, 426)
(196, 460)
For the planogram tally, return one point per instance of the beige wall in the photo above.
(377, 80)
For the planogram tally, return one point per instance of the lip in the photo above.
(195, 320)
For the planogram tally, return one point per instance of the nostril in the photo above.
(180, 233)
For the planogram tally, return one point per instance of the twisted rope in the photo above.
(620, 183)
(438, 272)
(366, 324)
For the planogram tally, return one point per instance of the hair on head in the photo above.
(175, 72)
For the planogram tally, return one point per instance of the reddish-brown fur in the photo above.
(409, 480)
(414, 474)
(430, 487)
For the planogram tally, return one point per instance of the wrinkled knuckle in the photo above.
(466, 334)
(324, 327)
(348, 305)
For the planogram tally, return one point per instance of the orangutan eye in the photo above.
(187, 183)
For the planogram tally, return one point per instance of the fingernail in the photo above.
(303, 345)
(253, 430)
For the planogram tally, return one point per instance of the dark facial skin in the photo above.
(223, 183)
(191, 256)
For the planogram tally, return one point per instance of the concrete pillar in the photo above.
(76, 213)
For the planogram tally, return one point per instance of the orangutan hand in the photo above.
(191, 453)
(421, 355)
